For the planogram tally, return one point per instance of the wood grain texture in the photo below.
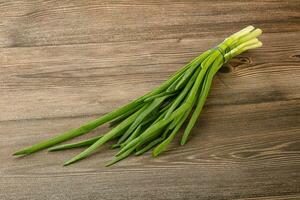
(63, 63)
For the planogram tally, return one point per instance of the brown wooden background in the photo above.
(63, 63)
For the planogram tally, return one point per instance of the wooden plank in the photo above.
(283, 197)
(92, 79)
(25, 23)
(63, 63)
(221, 160)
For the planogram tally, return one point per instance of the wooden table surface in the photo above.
(63, 63)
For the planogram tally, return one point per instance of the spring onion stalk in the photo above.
(153, 120)
(83, 143)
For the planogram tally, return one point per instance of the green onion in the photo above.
(153, 120)
(83, 143)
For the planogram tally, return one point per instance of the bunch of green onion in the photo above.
(153, 120)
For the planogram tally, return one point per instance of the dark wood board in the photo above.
(63, 63)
